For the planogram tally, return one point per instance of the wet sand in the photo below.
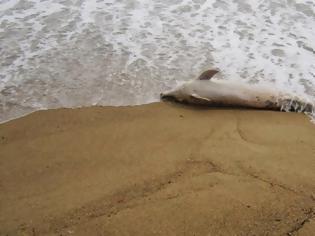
(157, 169)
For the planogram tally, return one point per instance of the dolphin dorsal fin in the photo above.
(207, 75)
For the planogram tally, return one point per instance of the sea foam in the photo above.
(75, 53)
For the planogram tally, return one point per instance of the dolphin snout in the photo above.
(166, 96)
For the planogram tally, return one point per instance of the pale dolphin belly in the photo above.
(229, 94)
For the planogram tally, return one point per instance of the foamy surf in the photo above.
(81, 53)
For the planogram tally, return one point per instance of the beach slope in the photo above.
(158, 169)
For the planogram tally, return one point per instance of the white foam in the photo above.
(87, 11)
(81, 53)
(7, 4)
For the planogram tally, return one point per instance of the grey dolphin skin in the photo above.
(206, 91)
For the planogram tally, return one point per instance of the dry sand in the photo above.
(157, 169)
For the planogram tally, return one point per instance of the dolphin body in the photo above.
(217, 93)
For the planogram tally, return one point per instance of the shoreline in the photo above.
(174, 104)
(158, 169)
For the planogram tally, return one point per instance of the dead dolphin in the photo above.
(212, 92)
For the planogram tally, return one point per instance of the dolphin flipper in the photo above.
(196, 96)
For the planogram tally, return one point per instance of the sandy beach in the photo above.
(157, 169)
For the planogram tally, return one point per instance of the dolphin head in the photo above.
(178, 94)
(189, 92)
(186, 93)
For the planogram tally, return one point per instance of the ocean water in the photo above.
(74, 53)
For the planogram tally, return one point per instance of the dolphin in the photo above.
(206, 90)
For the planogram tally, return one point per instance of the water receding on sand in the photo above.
(72, 53)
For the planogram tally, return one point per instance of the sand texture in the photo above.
(157, 169)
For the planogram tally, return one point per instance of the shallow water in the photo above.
(72, 53)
